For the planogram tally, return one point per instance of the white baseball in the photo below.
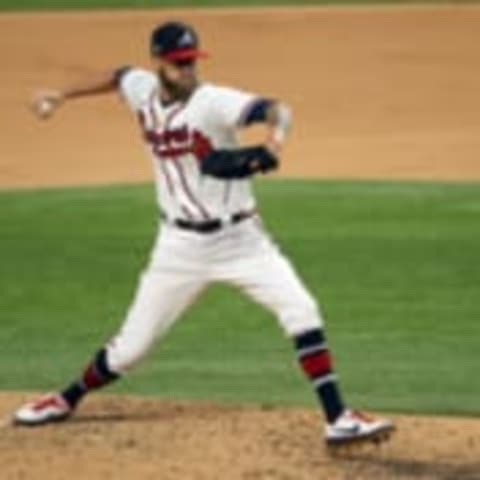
(45, 107)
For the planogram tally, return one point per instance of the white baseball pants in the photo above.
(183, 263)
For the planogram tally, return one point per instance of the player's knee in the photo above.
(123, 356)
(302, 317)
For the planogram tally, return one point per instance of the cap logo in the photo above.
(186, 39)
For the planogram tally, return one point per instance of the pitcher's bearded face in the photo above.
(179, 77)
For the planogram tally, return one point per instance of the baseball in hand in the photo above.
(45, 102)
(45, 107)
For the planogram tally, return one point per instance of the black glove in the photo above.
(239, 163)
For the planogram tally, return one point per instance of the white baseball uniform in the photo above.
(184, 262)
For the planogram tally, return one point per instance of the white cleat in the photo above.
(48, 409)
(353, 427)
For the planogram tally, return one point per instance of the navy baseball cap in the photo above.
(175, 41)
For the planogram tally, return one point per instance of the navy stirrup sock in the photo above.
(96, 375)
(316, 362)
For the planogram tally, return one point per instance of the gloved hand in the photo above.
(239, 163)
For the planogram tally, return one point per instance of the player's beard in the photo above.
(175, 90)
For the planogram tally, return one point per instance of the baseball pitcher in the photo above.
(210, 229)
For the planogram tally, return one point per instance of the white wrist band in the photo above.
(282, 128)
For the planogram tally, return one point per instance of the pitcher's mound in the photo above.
(131, 438)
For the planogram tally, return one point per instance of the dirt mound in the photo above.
(382, 92)
(133, 438)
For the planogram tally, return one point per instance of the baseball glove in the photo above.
(239, 163)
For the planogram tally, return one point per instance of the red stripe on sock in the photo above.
(317, 365)
(91, 378)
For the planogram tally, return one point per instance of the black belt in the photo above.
(210, 226)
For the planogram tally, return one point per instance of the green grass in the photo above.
(91, 4)
(395, 266)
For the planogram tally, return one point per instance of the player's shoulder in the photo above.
(137, 85)
(216, 90)
(218, 95)
(140, 74)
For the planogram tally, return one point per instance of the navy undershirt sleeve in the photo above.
(258, 111)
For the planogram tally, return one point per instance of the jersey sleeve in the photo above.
(136, 86)
(232, 107)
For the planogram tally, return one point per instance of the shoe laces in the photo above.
(49, 401)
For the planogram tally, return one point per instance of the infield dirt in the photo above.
(377, 93)
(127, 438)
